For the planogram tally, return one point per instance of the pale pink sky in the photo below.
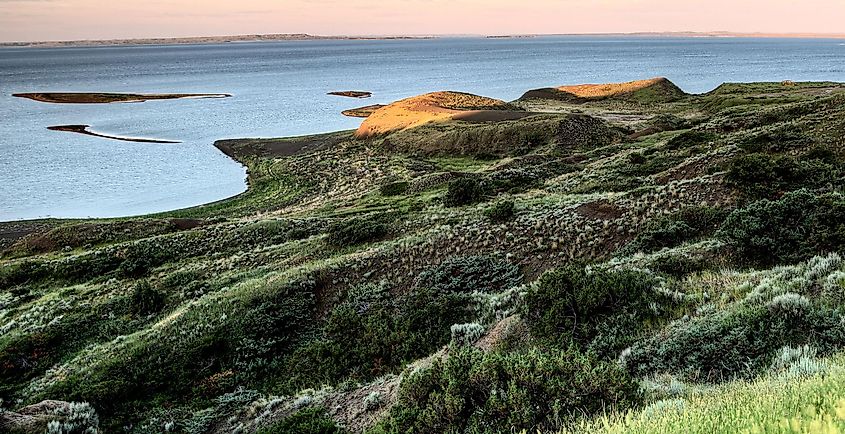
(30, 20)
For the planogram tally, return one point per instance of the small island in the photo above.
(108, 98)
(83, 129)
(352, 94)
(362, 112)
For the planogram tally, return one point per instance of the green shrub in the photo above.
(145, 299)
(794, 228)
(685, 225)
(373, 333)
(691, 138)
(171, 369)
(466, 274)
(500, 212)
(465, 191)
(636, 158)
(308, 421)
(596, 309)
(394, 188)
(739, 342)
(679, 265)
(516, 179)
(768, 176)
(779, 139)
(476, 392)
(356, 230)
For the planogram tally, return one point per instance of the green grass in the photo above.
(775, 403)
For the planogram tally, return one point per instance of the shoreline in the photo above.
(200, 40)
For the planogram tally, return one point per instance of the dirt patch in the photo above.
(11, 232)
(600, 210)
(360, 409)
(511, 327)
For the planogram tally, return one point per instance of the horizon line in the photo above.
(268, 37)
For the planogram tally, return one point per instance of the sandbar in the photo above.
(83, 129)
(108, 98)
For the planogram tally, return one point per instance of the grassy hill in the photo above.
(613, 264)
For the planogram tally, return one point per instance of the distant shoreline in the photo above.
(693, 35)
(202, 40)
(198, 40)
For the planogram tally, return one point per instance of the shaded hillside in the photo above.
(579, 268)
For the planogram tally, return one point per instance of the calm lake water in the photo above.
(280, 89)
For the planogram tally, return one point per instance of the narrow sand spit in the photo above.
(108, 98)
(431, 107)
(352, 94)
(83, 129)
(362, 112)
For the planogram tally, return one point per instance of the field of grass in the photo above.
(808, 397)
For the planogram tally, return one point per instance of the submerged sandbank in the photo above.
(108, 98)
(83, 129)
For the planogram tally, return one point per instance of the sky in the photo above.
(42, 20)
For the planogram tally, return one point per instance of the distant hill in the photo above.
(422, 109)
(197, 40)
(652, 90)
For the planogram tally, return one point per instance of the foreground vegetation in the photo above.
(652, 263)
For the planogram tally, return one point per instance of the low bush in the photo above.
(739, 342)
(394, 188)
(501, 211)
(779, 139)
(794, 228)
(465, 191)
(356, 230)
(685, 225)
(769, 176)
(145, 299)
(308, 421)
(236, 348)
(600, 310)
(373, 333)
(476, 392)
(691, 138)
(515, 179)
(466, 274)
(679, 265)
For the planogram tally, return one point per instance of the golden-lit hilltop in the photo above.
(422, 109)
(652, 90)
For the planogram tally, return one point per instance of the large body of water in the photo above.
(280, 89)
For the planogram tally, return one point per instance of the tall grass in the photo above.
(783, 402)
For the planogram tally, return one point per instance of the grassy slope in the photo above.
(774, 403)
(163, 319)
